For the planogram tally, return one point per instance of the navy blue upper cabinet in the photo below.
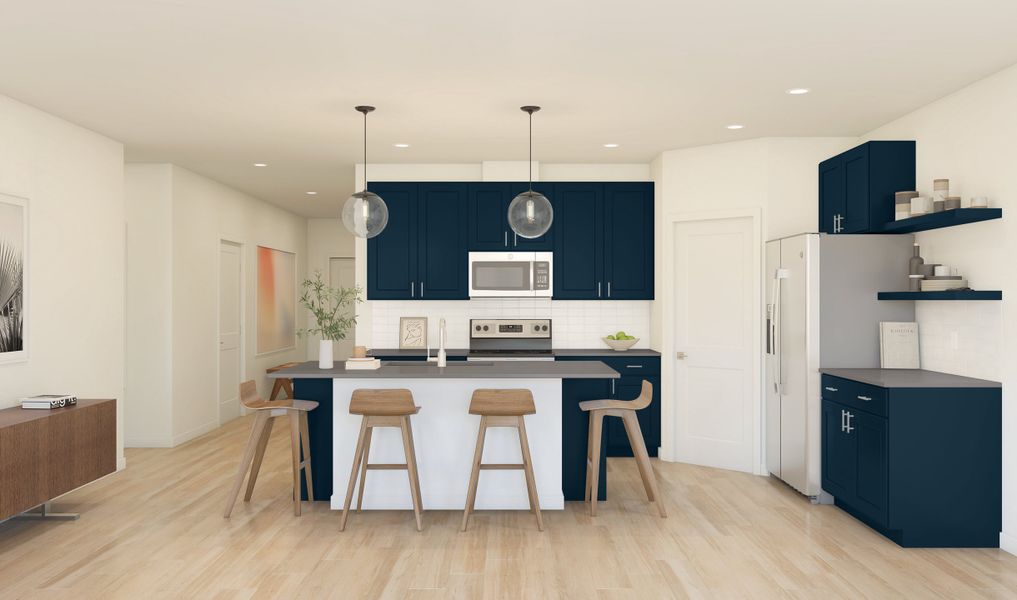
(392, 255)
(628, 239)
(579, 241)
(603, 247)
(443, 259)
(488, 218)
(856, 188)
(422, 253)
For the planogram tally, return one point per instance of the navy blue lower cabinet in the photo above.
(319, 433)
(575, 426)
(921, 465)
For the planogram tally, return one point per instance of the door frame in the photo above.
(241, 247)
(669, 360)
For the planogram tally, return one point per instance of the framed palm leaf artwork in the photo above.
(13, 278)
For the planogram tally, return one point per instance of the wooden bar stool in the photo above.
(282, 384)
(502, 408)
(265, 414)
(626, 410)
(383, 408)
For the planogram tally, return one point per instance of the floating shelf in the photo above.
(947, 295)
(946, 218)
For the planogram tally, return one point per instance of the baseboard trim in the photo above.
(148, 442)
(196, 432)
(1008, 543)
(121, 463)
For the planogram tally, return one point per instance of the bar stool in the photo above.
(502, 408)
(383, 408)
(626, 410)
(282, 384)
(265, 414)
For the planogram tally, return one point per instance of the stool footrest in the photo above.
(501, 467)
(386, 467)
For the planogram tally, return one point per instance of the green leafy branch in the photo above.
(333, 308)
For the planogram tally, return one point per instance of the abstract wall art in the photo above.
(277, 300)
(13, 278)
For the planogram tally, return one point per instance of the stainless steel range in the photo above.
(510, 339)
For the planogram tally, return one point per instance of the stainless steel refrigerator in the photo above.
(822, 311)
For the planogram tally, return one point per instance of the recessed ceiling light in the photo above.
(311, 193)
(735, 126)
(610, 145)
(798, 91)
(261, 164)
(401, 145)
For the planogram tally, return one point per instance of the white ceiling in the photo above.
(216, 85)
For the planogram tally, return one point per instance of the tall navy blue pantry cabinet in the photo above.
(603, 244)
(857, 187)
(421, 254)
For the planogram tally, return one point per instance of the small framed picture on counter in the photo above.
(412, 333)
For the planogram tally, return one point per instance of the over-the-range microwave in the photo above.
(510, 274)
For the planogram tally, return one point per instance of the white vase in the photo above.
(325, 354)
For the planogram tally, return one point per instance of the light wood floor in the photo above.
(156, 530)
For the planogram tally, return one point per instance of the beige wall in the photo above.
(74, 182)
(201, 213)
(968, 137)
(326, 238)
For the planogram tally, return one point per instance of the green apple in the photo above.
(611, 337)
(620, 335)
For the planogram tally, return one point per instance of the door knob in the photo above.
(682, 356)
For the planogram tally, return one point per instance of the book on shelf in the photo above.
(364, 364)
(48, 401)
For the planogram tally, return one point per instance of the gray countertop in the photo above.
(606, 352)
(910, 378)
(457, 370)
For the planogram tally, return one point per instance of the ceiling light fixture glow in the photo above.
(311, 193)
(735, 126)
(261, 164)
(401, 145)
(610, 145)
(798, 91)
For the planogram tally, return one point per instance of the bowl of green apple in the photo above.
(620, 341)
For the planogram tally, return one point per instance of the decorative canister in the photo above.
(952, 202)
(921, 205)
(902, 204)
(979, 202)
(940, 189)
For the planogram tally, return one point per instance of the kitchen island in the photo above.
(444, 431)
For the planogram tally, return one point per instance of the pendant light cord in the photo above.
(531, 152)
(365, 151)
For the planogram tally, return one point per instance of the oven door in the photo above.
(501, 274)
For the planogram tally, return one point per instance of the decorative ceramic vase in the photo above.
(325, 354)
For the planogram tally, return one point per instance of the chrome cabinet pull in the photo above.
(421, 289)
(864, 398)
(515, 239)
(608, 289)
(612, 387)
(849, 428)
(633, 366)
(830, 389)
(506, 238)
(843, 419)
(598, 289)
(413, 289)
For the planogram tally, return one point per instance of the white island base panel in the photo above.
(445, 438)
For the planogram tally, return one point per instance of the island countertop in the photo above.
(456, 370)
(910, 378)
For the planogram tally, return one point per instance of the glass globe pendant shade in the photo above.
(530, 214)
(365, 214)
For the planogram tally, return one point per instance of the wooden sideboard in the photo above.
(46, 453)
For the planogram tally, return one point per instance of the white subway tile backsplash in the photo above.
(963, 338)
(576, 323)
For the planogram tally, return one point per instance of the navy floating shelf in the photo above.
(946, 218)
(947, 295)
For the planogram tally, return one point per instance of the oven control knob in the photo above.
(477, 328)
(544, 327)
(536, 327)
(485, 327)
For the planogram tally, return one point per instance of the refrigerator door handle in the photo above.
(777, 344)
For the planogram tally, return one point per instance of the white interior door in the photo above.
(230, 319)
(716, 309)
(342, 273)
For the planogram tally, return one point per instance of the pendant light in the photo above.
(365, 213)
(530, 214)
